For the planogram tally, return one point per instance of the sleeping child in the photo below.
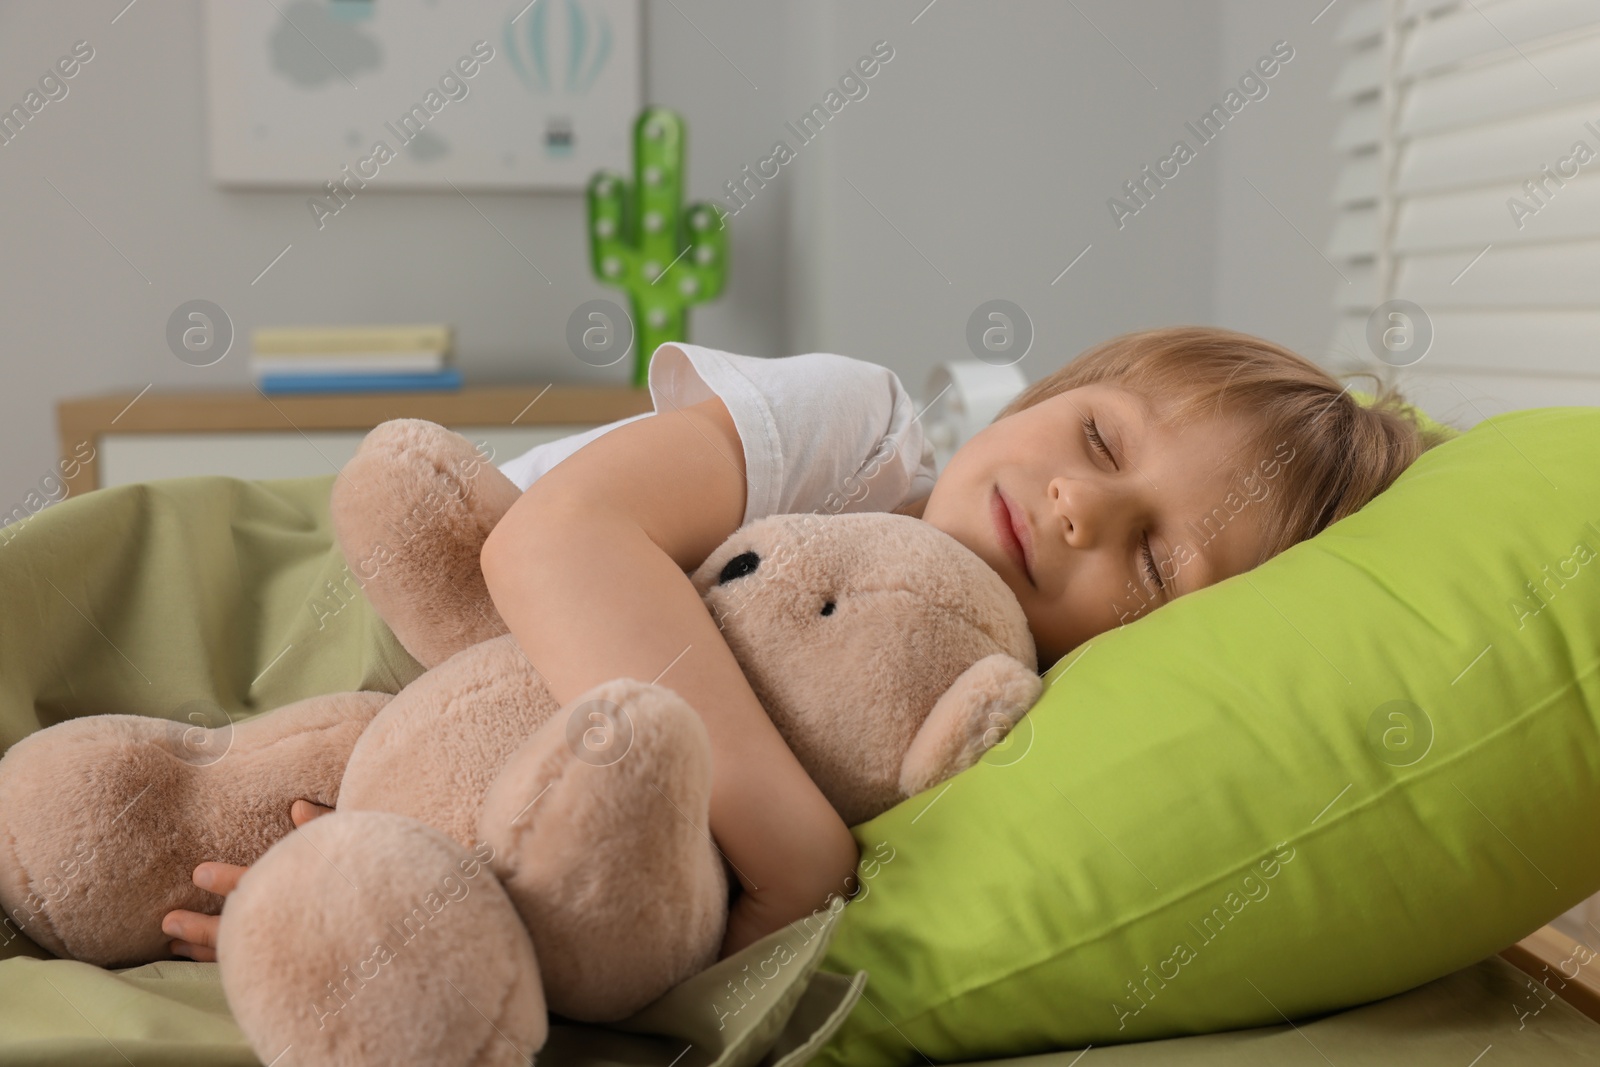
(1154, 464)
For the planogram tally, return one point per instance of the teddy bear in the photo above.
(493, 857)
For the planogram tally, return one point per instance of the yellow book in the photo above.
(325, 340)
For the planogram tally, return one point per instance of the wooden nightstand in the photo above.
(133, 437)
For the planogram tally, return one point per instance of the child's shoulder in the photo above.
(821, 431)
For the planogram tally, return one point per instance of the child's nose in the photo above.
(1069, 506)
(1085, 512)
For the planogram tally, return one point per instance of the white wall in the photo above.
(991, 143)
(1270, 277)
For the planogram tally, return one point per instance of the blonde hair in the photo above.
(1345, 452)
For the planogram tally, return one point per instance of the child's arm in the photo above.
(588, 569)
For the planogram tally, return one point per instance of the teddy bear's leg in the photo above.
(104, 818)
(411, 511)
(433, 752)
(599, 825)
(371, 938)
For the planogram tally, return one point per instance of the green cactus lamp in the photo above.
(643, 240)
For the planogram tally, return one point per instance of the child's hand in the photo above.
(194, 934)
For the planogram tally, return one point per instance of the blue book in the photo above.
(449, 378)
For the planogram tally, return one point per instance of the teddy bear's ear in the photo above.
(973, 715)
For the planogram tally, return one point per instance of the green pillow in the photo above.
(1361, 766)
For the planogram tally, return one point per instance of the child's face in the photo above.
(1086, 518)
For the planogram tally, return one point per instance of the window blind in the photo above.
(1469, 184)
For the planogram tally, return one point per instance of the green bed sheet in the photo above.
(211, 599)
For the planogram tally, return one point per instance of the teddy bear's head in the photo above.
(887, 653)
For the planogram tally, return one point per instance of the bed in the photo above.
(209, 599)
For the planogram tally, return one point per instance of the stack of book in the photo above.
(353, 359)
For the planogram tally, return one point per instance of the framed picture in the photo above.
(407, 94)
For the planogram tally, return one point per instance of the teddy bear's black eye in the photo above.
(739, 566)
(827, 609)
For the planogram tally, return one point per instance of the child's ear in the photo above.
(973, 715)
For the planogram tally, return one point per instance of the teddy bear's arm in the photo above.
(972, 716)
(411, 511)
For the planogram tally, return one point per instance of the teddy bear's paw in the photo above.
(411, 511)
(599, 825)
(104, 818)
(366, 937)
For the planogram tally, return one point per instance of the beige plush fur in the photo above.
(436, 930)
(888, 655)
(104, 818)
(405, 511)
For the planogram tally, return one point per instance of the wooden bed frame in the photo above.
(1567, 968)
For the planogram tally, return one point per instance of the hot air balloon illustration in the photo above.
(559, 48)
(560, 53)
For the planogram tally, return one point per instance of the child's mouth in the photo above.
(1012, 532)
